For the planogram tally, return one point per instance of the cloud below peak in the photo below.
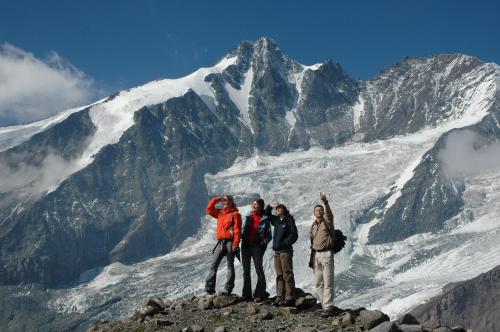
(33, 89)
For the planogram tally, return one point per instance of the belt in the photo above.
(323, 250)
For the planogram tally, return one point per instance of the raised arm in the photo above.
(268, 211)
(212, 210)
(329, 213)
(328, 209)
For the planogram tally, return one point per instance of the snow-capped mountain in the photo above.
(128, 177)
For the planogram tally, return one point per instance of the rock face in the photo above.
(418, 92)
(431, 196)
(143, 193)
(185, 315)
(473, 304)
(140, 207)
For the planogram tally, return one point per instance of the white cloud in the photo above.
(33, 89)
(468, 153)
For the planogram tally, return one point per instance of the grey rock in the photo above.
(346, 318)
(287, 310)
(221, 329)
(266, 315)
(442, 329)
(146, 311)
(156, 303)
(473, 303)
(222, 301)
(252, 310)
(408, 319)
(410, 327)
(385, 327)
(394, 107)
(206, 305)
(371, 318)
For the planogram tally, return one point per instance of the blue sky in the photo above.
(120, 44)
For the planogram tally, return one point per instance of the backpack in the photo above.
(338, 240)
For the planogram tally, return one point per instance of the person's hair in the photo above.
(285, 208)
(318, 205)
(231, 199)
(260, 202)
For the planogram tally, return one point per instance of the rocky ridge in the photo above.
(220, 312)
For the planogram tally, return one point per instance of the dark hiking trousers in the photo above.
(285, 281)
(223, 248)
(257, 254)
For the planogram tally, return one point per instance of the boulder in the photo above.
(143, 312)
(222, 301)
(346, 319)
(156, 302)
(287, 311)
(385, 327)
(408, 319)
(220, 329)
(410, 328)
(372, 318)
(252, 310)
(206, 305)
(266, 315)
(458, 329)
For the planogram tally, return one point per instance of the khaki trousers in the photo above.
(323, 275)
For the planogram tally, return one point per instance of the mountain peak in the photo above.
(433, 63)
(264, 51)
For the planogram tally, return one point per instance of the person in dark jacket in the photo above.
(284, 236)
(256, 234)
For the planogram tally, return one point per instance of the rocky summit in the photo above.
(221, 312)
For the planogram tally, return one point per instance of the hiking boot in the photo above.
(330, 312)
(277, 302)
(326, 313)
(258, 300)
(288, 303)
(224, 293)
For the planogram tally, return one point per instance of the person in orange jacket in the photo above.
(228, 240)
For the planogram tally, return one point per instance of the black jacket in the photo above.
(264, 229)
(285, 232)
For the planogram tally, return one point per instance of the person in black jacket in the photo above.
(256, 234)
(284, 236)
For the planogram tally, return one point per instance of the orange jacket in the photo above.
(228, 222)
